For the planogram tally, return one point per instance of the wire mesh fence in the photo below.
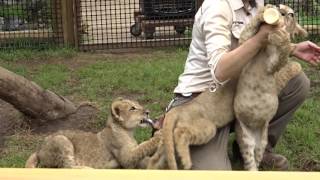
(108, 24)
(134, 23)
(307, 12)
(29, 23)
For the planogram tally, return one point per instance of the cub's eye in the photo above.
(283, 14)
(132, 108)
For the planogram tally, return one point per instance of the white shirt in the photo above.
(216, 29)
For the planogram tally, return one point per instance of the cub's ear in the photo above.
(115, 109)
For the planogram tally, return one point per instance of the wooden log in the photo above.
(32, 100)
(67, 13)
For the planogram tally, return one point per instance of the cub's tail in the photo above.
(168, 139)
(32, 161)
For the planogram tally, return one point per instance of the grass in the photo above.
(34, 54)
(13, 10)
(147, 77)
(309, 20)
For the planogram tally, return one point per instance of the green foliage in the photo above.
(18, 148)
(34, 54)
(12, 11)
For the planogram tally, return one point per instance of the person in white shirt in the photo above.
(215, 57)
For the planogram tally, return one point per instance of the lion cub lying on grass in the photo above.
(113, 147)
(256, 99)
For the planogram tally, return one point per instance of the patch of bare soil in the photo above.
(82, 119)
(12, 121)
(84, 59)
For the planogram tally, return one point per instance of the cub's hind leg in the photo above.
(261, 144)
(195, 134)
(57, 152)
(246, 141)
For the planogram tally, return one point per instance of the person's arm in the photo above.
(232, 62)
(307, 51)
(216, 23)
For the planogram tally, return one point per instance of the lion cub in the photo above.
(193, 123)
(113, 147)
(256, 99)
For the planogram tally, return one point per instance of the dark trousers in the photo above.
(214, 154)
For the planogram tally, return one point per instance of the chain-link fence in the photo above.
(108, 24)
(134, 23)
(30, 23)
(307, 12)
(105, 24)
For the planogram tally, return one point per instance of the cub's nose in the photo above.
(147, 112)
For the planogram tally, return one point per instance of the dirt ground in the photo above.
(12, 121)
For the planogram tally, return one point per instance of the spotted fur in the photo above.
(256, 99)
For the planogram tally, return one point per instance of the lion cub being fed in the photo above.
(113, 147)
(256, 99)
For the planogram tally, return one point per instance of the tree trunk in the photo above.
(31, 99)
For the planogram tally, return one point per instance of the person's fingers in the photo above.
(314, 46)
(313, 63)
(314, 58)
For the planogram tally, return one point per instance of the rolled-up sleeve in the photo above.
(216, 28)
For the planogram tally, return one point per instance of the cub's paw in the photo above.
(279, 38)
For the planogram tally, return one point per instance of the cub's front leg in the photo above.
(131, 156)
(279, 49)
(158, 159)
(279, 38)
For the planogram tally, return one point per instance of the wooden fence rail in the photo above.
(85, 174)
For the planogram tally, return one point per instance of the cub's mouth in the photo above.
(146, 122)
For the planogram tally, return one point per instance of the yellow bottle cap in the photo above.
(271, 16)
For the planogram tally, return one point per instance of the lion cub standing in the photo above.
(256, 99)
(113, 147)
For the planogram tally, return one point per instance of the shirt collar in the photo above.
(260, 3)
(238, 4)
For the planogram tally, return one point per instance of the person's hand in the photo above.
(308, 52)
(264, 31)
